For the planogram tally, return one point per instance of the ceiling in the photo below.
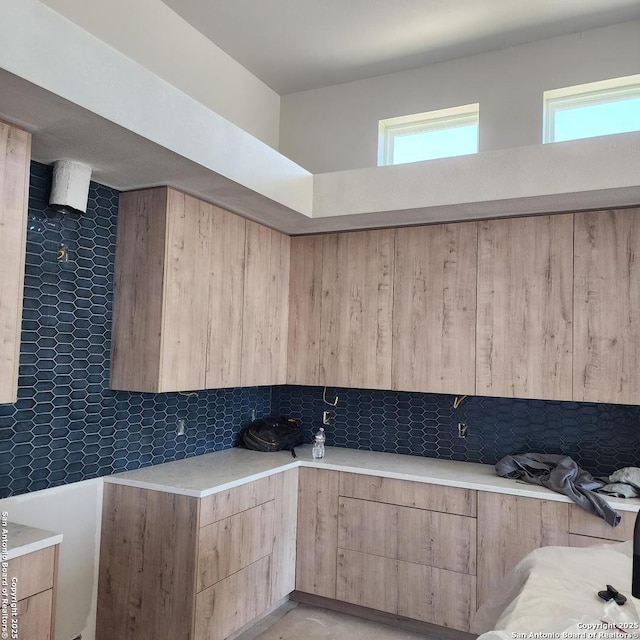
(296, 45)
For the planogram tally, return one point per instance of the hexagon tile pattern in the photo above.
(67, 424)
(599, 437)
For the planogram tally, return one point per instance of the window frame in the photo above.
(438, 120)
(585, 95)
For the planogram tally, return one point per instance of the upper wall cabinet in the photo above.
(607, 306)
(178, 293)
(357, 297)
(266, 307)
(15, 155)
(434, 309)
(305, 288)
(524, 322)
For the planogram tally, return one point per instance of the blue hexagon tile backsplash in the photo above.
(68, 425)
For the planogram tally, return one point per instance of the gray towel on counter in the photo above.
(623, 483)
(561, 474)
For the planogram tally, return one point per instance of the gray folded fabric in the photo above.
(563, 475)
(623, 483)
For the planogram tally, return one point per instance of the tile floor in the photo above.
(294, 621)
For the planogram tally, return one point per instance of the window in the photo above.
(594, 109)
(425, 136)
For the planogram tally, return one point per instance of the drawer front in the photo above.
(409, 494)
(368, 527)
(413, 535)
(229, 545)
(435, 595)
(437, 539)
(367, 580)
(587, 541)
(34, 571)
(34, 616)
(228, 503)
(586, 524)
(233, 602)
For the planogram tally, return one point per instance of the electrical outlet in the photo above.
(181, 427)
(327, 418)
(254, 415)
(463, 429)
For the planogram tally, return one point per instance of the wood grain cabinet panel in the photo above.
(317, 532)
(367, 580)
(368, 527)
(607, 299)
(15, 157)
(434, 309)
(178, 293)
(34, 617)
(305, 288)
(266, 306)
(583, 523)
(525, 314)
(409, 494)
(510, 527)
(229, 545)
(446, 598)
(230, 604)
(356, 309)
(231, 501)
(34, 571)
(437, 539)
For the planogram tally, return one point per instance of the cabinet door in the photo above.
(607, 299)
(509, 528)
(186, 294)
(15, 154)
(357, 296)
(317, 532)
(434, 309)
(266, 306)
(524, 323)
(226, 298)
(305, 287)
(35, 616)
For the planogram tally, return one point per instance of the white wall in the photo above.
(336, 128)
(75, 511)
(150, 33)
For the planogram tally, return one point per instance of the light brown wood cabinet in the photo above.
(525, 315)
(266, 307)
(15, 156)
(607, 299)
(177, 567)
(178, 293)
(389, 548)
(356, 309)
(35, 574)
(510, 527)
(434, 309)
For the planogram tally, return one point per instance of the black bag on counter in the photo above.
(269, 434)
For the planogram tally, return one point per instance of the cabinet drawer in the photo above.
(227, 503)
(34, 616)
(233, 602)
(409, 494)
(586, 524)
(367, 580)
(414, 535)
(229, 545)
(435, 595)
(33, 571)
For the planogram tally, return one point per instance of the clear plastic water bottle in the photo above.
(317, 450)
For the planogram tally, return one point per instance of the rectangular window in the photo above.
(426, 136)
(594, 109)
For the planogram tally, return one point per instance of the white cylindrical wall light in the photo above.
(70, 186)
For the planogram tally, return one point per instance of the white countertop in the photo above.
(204, 475)
(21, 539)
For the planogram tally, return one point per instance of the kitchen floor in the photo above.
(294, 621)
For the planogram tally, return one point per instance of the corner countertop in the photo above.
(21, 539)
(210, 473)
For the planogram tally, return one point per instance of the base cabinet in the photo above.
(176, 567)
(35, 575)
